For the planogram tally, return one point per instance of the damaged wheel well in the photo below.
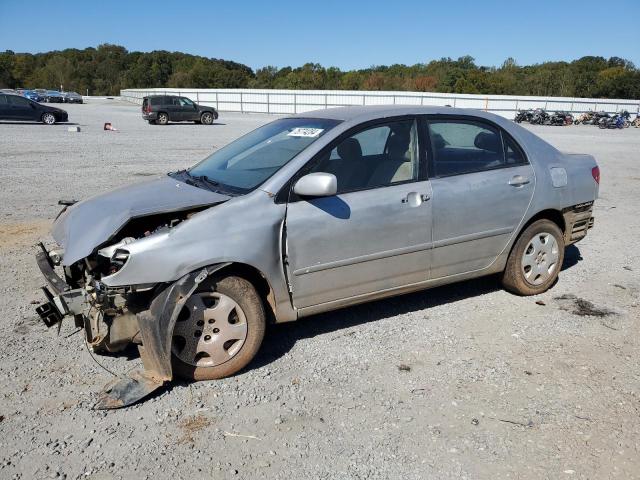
(554, 215)
(258, 280)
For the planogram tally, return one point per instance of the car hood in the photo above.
(86, 225)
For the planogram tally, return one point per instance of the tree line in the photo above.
(107, 69)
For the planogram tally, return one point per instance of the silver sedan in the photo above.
(308, 214)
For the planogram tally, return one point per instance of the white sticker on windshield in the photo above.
(305, 132)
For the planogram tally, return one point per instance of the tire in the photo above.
(577, 122)
(535, 259)
(48, 118)
(162, 119)
(230, 308)
(206, 118)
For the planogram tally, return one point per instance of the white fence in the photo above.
(297, 101)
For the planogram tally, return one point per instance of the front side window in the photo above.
(465, 146)
(185, 102)
(381, 155)
(3, 99)
(249, 161)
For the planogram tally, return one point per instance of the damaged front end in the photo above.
(113, 317)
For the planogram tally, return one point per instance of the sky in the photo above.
(345, 34)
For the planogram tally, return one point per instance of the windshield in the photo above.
(249, 161)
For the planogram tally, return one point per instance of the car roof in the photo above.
(372, 112)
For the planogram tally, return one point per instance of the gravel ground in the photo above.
(463, 381)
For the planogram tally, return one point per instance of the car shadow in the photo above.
(186, 124)
(26, 122)
(281, 338)
(572, 256)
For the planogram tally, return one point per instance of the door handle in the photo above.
(415, 199)
(518, 181)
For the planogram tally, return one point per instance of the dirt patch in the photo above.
(192, 425)
(581, 307)
(18, 234)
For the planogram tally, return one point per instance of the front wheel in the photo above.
(535, 260)
(219, 330)
(206, 118)
(48, 118)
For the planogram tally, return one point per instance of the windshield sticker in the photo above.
(305, 132)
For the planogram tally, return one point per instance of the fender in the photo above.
(156, 326)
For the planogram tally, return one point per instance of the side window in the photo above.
(16, 100)
(512, 152)
(381, 155)
(156, 101)
(3, 99)
(465, 146)
(185, 102)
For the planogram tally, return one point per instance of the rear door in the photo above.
(482, 187)
(374, 234)
(174, 109)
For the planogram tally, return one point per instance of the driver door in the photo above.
(188, 110)
(375, 233)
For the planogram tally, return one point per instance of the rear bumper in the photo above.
(578, 220)
(150, 116)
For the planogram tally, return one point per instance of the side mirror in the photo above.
(317, 184)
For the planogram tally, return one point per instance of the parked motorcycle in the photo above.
(616, 121)
(600, 118)
(561, 118)
(591, 118)
(636, 121)
(626, 116)
(584, 118)
(540, 117)
(523, 116)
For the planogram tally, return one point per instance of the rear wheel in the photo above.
(218, 331)
(535, 260)
(163, 119)
(206, 118)
(48, 118)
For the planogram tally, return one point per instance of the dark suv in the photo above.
(161, 109)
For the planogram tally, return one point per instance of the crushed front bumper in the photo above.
(52, 311)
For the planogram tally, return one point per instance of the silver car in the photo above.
(308, 214)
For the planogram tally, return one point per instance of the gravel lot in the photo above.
(464, 381)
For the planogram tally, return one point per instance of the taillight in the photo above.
(595, 173)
